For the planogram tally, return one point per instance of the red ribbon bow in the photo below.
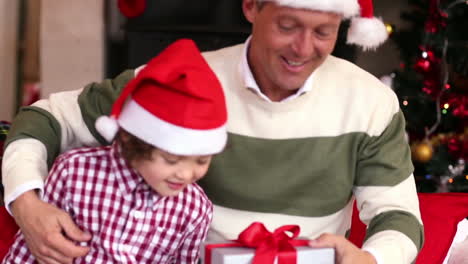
(267, 245)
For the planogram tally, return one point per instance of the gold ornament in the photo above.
(422, 151)
(389, 28)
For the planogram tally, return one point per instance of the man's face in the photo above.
(288, 44)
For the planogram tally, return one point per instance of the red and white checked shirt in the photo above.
(129, 222)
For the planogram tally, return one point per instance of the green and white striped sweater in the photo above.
(297, 162)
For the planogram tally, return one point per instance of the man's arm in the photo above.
(386, 195)
(42, 131)
(387, 201)
(57, 193)
(345, 251)
(38, 134)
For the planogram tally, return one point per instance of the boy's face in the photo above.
(169, 174)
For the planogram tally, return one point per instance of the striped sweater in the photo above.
(302, 162)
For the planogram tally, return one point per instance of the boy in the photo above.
(138, 198)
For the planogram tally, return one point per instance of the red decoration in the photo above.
(429, 66)
(431, 86)
(459, 105)
(428, 62)
(132, 8)
(423, 65)
(436, 18)
(458, 147)
(267, 245)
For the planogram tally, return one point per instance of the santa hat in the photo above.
(366, 30)
(175, 103)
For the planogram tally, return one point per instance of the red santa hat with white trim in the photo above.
(366, 30)
(175, 103)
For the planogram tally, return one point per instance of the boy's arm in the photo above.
(189, 251)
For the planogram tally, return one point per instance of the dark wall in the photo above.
(212, 24)
(211, 13)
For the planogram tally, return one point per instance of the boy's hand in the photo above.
(345, 251)
(43, 226)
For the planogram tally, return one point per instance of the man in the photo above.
(308, 133)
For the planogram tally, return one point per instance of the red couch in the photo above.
(8, 229)
(440, 213)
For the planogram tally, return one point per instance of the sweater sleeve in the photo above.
(388, 205)
(51, 126)
(57, 194)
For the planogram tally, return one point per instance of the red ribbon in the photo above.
(267, 245)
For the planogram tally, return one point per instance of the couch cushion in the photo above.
(440, 213)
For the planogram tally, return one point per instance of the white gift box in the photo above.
(244, 255)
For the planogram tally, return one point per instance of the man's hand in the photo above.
(345, 251)
(50, 233)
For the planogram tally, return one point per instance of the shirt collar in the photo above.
(250, 83)
(127, 178)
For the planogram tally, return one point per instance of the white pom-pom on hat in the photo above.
(367, 30)
(107, 127)
(368, 33)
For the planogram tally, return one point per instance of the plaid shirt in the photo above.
(129, 222)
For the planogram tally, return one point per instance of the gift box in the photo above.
(257, 245)
(243, 255)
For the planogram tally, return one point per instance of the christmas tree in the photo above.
(432, 86)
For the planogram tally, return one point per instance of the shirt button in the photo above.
(125, 248)
(138, 214)
(128, 248)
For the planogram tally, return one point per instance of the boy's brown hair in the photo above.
(134, 148)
